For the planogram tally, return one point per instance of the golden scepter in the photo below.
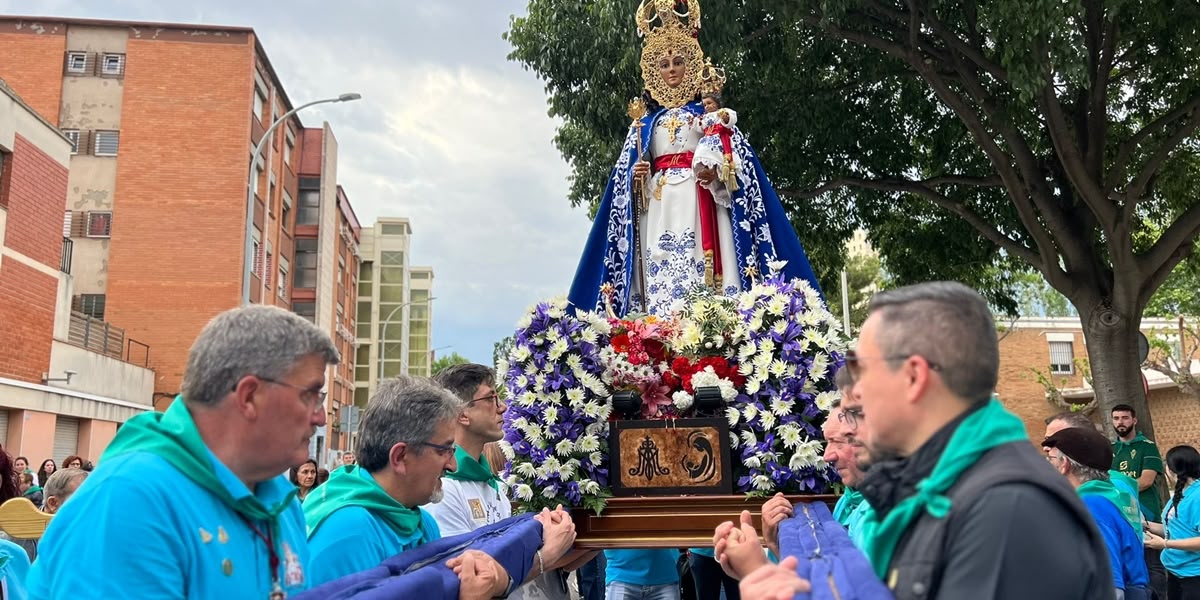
(636, 111)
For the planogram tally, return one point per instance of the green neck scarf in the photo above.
(32, 490)
(981, 431)
(172, 435)
(470, 469)
(347, 487)
(845, 507)
(1118, 497)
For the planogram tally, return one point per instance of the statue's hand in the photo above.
(705, 175)
(641, 169)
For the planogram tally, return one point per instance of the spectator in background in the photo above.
(45, 471)
(304, 478)
(1178, 536)
(322, 476)
(61, 486)
(29, 490)
(73, 462)
(347, 459)
(1138, 457)
(21, 465)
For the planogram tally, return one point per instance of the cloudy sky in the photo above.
(449, 134)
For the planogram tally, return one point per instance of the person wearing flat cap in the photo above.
(1083, 456)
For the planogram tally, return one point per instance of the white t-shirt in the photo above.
(469, 505)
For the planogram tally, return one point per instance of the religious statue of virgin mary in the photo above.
(670, 220)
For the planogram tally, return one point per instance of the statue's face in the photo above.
(672, 67)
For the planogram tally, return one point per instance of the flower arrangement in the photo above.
(770, 351)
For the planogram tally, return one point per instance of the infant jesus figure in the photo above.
(715, 150)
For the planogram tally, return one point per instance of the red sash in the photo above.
(709, 238)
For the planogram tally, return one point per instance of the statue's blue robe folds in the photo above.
(760, 228)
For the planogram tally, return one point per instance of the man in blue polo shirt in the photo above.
(369, 512)
(191, 503)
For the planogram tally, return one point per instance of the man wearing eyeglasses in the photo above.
(954, 472)
(473, 495)
(369, 512)
(191, 503)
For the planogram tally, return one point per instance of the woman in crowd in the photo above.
(304, 478)
(46, 470)
(21, 465)
(1178, 536)
(73, 462)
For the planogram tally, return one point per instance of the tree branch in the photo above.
(1089, 189)
(1116, 173)
(1174, 244)
(975, 55)
(1137, 190)
(921, 188)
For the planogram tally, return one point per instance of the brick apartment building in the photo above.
(41, 340)
(162, 120)
(1055, 348)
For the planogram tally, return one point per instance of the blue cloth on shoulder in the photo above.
(422, 573)
(828, 559)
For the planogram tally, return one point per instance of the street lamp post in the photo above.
(252, 182)
(383, 330)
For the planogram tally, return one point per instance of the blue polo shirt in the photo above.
(1125, 551)
(1183, 524)
(154, 533)
(641, 567)
(352, 540)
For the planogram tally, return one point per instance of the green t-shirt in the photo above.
(1131, 458)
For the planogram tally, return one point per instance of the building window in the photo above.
(393, 229)
(1062, 358)
(308, 310)
(285, 213)
(310, 207)
(268, 270)
(77, 63)
(5, 176)
(306, 264)
(258, 176)
(91, 305)
(99, 224)
(260, 102)
(288, 146)
(283, 277)
(112, 65)
(106, 142)
(73, 135)
(258, 254)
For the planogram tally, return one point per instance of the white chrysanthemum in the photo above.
(589, 335)
(733, 415)
(748, 438)
(550, 413)
(745, 368)
(588, 443)
(734, 441)
(755, 323)
(753, 462)
(525, 469)
(781, 406)
(588, 486)
(824, 401)
(525, 321)
(767, 347)
(728, 390)
(521, 354)
(776, 265)
(595, 459)
(682, 400)
(550, 491)
(752, 386)
(564, 447)
(778, 368)
(776, 306)
(575, 395)
(749, 411)
(557, 349)
(790, 434)
(767, 418)
(820, 366)
(762, 483)
(507, 450)
(524, 492)
(691, 335)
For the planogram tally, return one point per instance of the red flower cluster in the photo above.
(682, 369)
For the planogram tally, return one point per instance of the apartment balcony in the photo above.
(64, 263)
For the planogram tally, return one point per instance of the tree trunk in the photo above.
(1111, 336)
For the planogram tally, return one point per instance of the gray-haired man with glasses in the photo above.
(369, 512)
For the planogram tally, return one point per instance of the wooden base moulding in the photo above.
(667, 522)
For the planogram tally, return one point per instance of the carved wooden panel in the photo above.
(658, 458)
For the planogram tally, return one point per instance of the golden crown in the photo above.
(653, 15)
(712, 78)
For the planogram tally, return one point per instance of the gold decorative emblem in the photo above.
(221, 535)
(670, 33)
(227, 567)
(205, 536)
(712, 78)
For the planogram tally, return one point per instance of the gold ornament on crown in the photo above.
(669, 33)
(712, 78)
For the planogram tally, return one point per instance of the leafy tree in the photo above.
(1179, 295)
(969, 138)
(1036, 298)
(448, 360)
(864, 277)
